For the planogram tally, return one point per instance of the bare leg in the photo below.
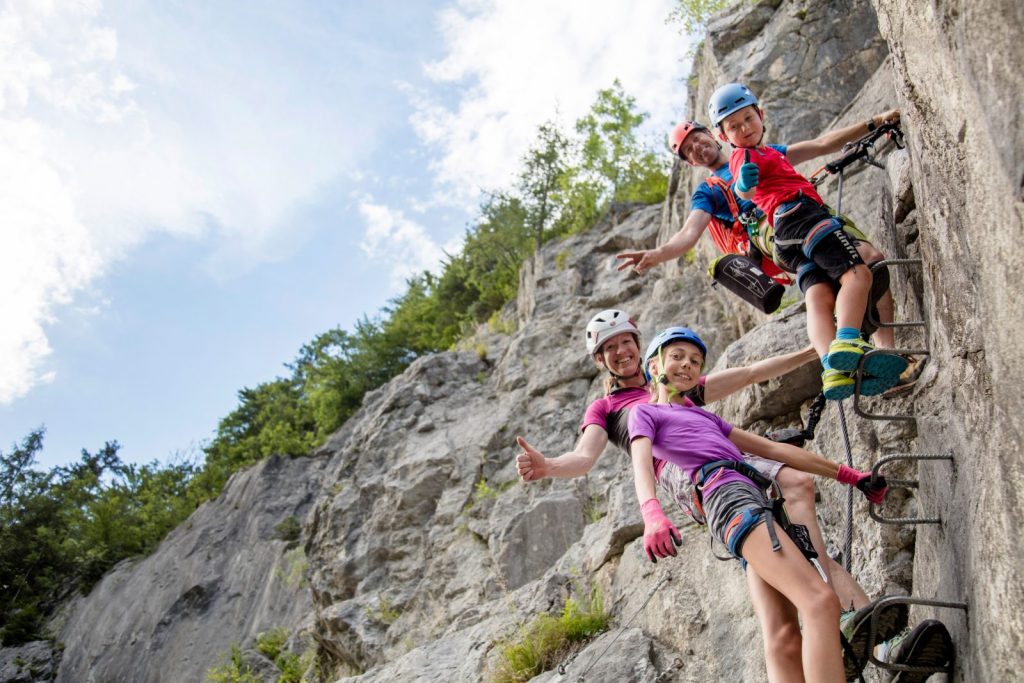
(780, 630)
(851, 302)
(851, 595)
(791, 575)
(884, 336)
(798, 490)
(821, 328)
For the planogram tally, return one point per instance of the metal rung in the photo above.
(858, 375)
(896, 262)
(907, 600)
(906, 484)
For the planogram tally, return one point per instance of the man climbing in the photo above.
(714, 205)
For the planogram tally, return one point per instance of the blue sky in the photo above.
(191, 191)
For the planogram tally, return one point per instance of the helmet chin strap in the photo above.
(662, 378)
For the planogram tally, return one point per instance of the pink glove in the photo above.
(659, 533)
(874, 491)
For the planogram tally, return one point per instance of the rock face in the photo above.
(958, 73)
(423, 549)
(231, 571)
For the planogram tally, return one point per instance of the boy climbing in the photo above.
(810, 242)
(715, 208)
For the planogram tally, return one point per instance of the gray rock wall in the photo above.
(958, 72)
(216, 581)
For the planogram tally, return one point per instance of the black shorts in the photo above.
(810, 242)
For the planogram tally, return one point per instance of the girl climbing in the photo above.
(738, 513)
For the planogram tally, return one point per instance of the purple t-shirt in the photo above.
(688, 437)
(611, 412)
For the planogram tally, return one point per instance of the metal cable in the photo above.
(848, 542)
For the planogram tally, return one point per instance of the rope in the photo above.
(848, 543)
(581, 678)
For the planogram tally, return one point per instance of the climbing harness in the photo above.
(774, 512)
(677, 664)
(745, 234)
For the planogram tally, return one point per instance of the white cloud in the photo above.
(399, 242)
(98, 154)
(514, 62)
(46, 252)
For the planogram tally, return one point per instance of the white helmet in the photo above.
(606, 325)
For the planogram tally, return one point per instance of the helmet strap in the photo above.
(663, 378)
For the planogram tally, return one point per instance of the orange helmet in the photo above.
(681, 132)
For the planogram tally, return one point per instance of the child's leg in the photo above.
(798, 490)
(780, 631)
(852, 301)
(789, 573)
(821, 329)
(883, 336)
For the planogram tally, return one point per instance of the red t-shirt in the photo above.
(778, 181)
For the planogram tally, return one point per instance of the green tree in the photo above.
(60, 531)
(544, 168)
(611, 152)
(693, 15)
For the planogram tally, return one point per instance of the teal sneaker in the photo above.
(836, 385)
(928, 645)
(856, 629)
(885, 364)
(873, 386)
(844, 354)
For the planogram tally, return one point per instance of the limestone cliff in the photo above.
(424, 550)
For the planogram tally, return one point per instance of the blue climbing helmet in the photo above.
(667, 336)
(727, 99)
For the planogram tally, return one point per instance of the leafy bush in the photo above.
(541, 644)
(232, 670)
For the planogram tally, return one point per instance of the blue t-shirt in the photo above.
(711, 199)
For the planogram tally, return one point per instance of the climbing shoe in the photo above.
(836, 385)
(844, 354)
(927, 645)
(908, 378)
(856, 630)
(873, 386)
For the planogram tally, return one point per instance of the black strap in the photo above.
(848, 650)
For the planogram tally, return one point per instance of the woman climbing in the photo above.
(613, 343)
(710, 452)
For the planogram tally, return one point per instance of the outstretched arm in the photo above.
(683, 241)
(532, 465)
(718, 385)
(873, 488)
(833, 141)
(797, 458)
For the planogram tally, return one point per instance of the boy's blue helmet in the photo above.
(667, 336)
(727, 99)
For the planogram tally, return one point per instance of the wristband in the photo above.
(870, 123)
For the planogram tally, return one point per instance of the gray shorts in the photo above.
(734, 510)
(679, 488)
